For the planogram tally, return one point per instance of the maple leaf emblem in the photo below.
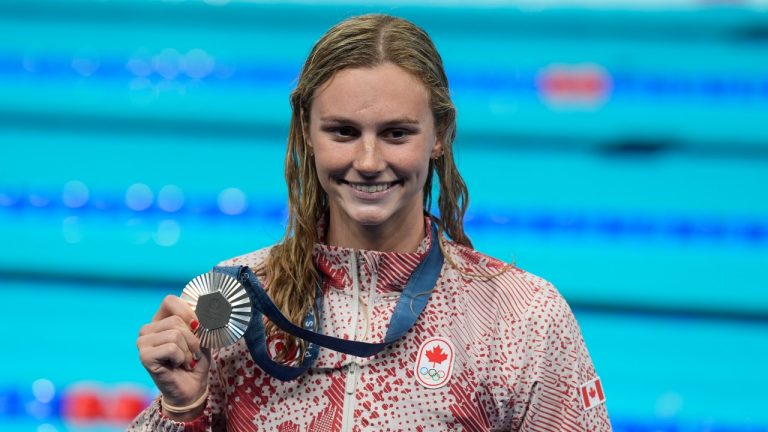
(436, 355)
(592, 392)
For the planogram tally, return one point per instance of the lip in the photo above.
(371, 196)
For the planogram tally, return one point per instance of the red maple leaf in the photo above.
(436, 355)
(592, 392)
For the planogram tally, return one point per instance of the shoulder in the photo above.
(252, 259)
(492, 283)
(518, 305)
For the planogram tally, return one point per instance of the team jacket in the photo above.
(518, 360)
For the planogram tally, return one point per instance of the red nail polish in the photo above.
(192, 364)
(194, 324)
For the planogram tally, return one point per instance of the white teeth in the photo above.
(371, 188)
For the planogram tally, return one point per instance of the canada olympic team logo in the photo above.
(434, 363)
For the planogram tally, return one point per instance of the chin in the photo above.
(370, 221)
(369, 218)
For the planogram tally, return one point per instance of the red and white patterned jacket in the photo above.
(518, 364)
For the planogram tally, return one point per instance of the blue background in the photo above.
(618, 149)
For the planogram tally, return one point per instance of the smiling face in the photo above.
(372, 133)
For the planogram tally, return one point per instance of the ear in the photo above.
(305, 130)
(437, 149)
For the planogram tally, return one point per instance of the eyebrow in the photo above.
(396, 121)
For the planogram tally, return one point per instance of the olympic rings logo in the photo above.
(435, 374)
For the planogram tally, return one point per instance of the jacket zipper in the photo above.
(353, 370)
(348, 417)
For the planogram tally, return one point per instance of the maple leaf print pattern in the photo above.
(516, 355)
(436, 355)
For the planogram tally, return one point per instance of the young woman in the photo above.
(475, 345)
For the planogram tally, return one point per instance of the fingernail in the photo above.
(196, 356)
(194, 324)
(192, 364)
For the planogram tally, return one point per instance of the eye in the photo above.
(397, 134)
(341, 132)
(345, 131)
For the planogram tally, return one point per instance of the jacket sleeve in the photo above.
(210, 420)
(560, 367)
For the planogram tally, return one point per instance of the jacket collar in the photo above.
(392, 269)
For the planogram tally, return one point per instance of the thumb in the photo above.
(201, 361)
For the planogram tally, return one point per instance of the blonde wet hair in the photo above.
(359, 42)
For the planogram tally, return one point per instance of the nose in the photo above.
(368, 160)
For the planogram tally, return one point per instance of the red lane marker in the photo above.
(581, 84)
(83, 405)
(126, 406)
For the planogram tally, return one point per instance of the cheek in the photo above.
(323, 155)
(327, 163)
(412, 164)
(322, 177)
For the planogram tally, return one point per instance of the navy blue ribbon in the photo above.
(411, 303)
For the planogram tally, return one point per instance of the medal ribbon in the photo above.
(409, 306)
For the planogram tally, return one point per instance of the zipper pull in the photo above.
(352, 377)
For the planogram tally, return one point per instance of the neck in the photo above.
(395, 236)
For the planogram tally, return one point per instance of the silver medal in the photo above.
(222, 306)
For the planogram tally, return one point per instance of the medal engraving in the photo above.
(213, 310)
(222, 306)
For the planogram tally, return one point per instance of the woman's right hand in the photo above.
(172, 355)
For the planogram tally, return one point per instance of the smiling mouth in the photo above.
(371, 187)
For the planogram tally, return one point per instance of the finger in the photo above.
(165, 337)
(169, 337)
(167, 323)
(205, 356)
(173, 305)
(157, 358)
(172, 328)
